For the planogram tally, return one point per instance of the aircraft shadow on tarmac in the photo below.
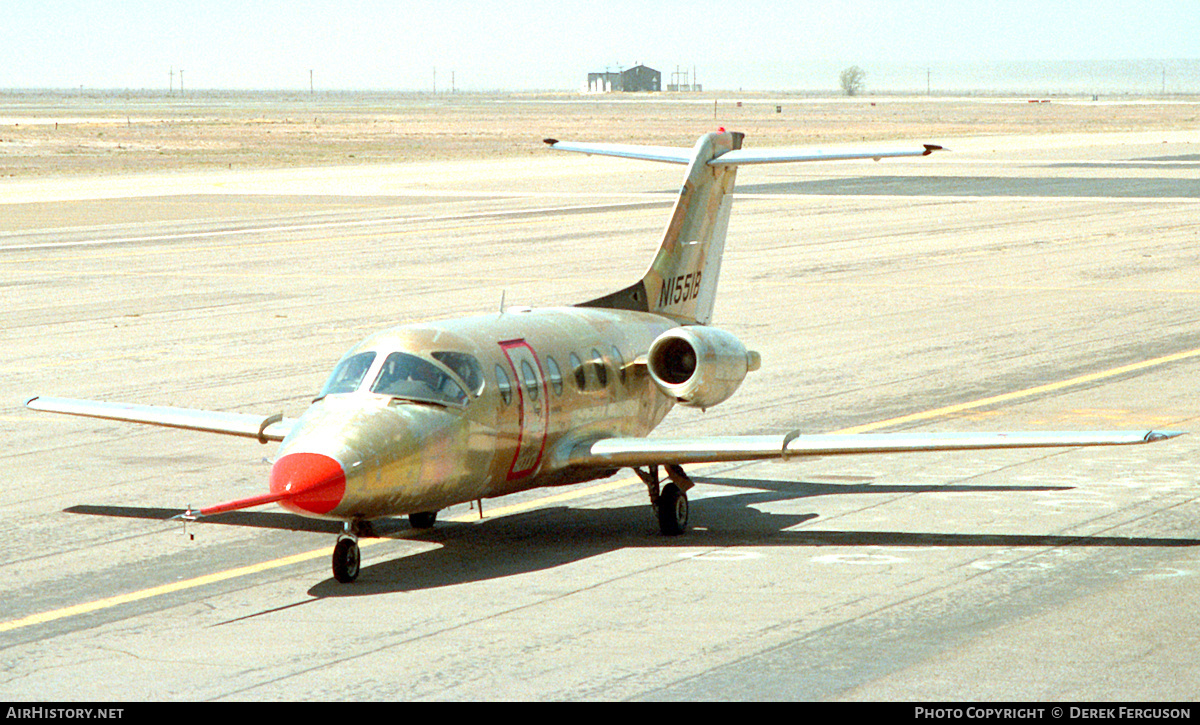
(1184, 162)
(551, 537)
(251, 519)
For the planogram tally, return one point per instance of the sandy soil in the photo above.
(44, 133)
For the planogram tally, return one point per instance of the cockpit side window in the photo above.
(349, 374)
(464, 366)
(408, 376)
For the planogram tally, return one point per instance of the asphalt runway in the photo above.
(1048, 282)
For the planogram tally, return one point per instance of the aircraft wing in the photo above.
(630, 452)
(246, 425)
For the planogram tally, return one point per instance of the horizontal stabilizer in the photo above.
(630, 452)
(737, 157)
(246, 425)
(668, 154)
(779, 156)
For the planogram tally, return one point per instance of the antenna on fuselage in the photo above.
(502, 301)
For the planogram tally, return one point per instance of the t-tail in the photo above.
(681, 282)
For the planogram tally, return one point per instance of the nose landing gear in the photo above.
(346, 556)
(346, 559)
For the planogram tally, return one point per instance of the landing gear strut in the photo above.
(669, 502)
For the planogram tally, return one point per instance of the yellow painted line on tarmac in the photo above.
(179, 586)
(110, 602)
(1027, 393)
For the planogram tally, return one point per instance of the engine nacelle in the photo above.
(699, 366)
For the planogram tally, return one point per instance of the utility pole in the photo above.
(310, 81)
(928, 82)
(171, 89)
(181, 81)
(435, 80)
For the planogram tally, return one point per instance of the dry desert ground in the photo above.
(46, 133)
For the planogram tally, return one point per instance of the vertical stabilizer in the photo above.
(682, 281)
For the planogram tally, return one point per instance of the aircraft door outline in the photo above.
(533, 407)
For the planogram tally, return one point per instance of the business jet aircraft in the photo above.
(420, 417)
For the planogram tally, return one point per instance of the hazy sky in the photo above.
(523, 44)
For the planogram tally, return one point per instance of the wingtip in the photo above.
(1161, 435)
(930, 148)
(549, 141)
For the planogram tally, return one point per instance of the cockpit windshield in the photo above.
(408, 376)
(349, 374)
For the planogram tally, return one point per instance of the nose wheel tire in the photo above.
(346, 560)
(672, 510)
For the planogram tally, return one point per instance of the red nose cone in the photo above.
(313, 483)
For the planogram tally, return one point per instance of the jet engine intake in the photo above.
(699, 366)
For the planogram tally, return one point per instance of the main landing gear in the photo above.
(670, 501)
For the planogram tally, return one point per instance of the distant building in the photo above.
(630, 80)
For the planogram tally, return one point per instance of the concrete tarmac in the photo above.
(1046, 283)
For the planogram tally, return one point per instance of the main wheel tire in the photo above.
(423, 520)
(672, 510)
(346, 560)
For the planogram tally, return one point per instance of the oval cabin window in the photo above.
(503, 385)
